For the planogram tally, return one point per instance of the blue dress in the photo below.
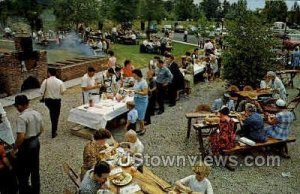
(296, 59)
(141, 102)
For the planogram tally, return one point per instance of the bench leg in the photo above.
(189, 128)
(201, 145)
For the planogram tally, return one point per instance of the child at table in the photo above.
(134, 147)
(132, 116)
(197, 182)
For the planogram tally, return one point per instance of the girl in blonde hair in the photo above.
(197, 183)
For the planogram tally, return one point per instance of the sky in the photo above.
(254, 4)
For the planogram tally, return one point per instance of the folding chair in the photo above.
(72, 175)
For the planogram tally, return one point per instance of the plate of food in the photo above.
(122, 179)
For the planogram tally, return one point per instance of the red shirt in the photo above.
(2, 155)
(127, 71)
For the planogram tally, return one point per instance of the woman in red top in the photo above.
(224, 137)
(127, 69)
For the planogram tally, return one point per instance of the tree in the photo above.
(210, 8)
(236, 10)
(155, 11)
(275, 11)
(74, 12)
(249, 55)
(185, 9)
(124, 10)
(294, 14)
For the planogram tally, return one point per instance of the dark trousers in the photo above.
(161, 93)
(172, 94)
(131, 126)
(8, 182)
(150, 108)
(28, 165)
(54, 106)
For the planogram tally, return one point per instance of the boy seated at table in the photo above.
(132, 116)
(224, 101)
(197, 183)
(95, 179)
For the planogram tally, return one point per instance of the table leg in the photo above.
(189, 128)
(201, 146)
(292, 79)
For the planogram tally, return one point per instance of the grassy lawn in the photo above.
(140, 60)
(122, 53)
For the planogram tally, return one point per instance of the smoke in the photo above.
(74, 43)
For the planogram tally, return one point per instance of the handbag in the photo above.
(43, 97)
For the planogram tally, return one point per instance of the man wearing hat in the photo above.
(276, 84)
(251, 98)
(252, 124)
(280, 124)
(29, 126)
(225, 101)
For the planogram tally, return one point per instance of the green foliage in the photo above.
(275, 11)
(152, 10)
(210, 8)
(249, 55)
(185, 9)
(124, 10)
(74, 12)
(236, 10)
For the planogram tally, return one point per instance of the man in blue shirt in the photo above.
(163, 78)
(252, 124)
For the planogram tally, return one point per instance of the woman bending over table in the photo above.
(91, 153)
(197, 183)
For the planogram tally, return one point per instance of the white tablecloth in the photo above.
(198, 68)
(96, 117)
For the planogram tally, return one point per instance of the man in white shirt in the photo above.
(276, 84)
(89, 85)
(29, 126)
(208, 47)
(52, 90)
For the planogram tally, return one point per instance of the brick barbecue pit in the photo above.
(22, 69)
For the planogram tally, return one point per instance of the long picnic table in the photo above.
(96, 117)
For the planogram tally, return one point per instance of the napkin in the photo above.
(130, 189)
(247, 141)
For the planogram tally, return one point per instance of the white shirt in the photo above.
(203, 186)
(112, 62)
(133, 36)
(29, 122)
(100, 45)
(5, 128)
(54, 88)
(208, 45)
(87, 81)
(137, 147)
(278, 85)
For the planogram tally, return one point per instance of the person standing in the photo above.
(185, 36)
(151, 96)
(89, 85)
(177, 81)
(163, 78)
(140, 98)
(5, 127)
(53, 89)
(29, 126)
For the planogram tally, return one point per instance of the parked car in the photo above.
(179, 29)
(166, 28)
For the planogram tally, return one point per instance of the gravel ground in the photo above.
(165, 136)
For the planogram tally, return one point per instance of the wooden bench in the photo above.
(268, 143)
